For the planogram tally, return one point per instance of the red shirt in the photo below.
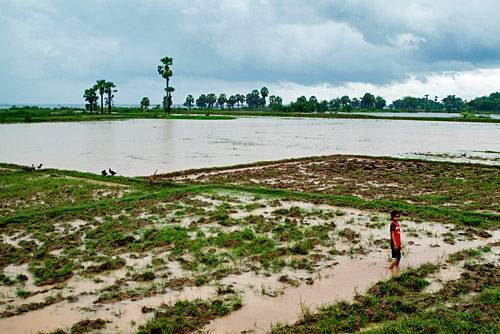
(397, 235)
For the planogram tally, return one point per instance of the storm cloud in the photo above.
(53, 50)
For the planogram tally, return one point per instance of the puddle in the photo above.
(17, 238)
(341, 282)
(447, 273)
(359, 238)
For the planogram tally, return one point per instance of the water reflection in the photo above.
(139, 147)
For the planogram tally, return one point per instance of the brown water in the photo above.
(341, 282)
(266, 300)
(139, 147)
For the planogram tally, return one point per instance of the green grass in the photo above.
(189, 316)
(177, 222)
(399, 305)
(63, 114)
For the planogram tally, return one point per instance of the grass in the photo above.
(211, 230)
(400, 305)
(189, 316)
(63, 114)
(31, 115)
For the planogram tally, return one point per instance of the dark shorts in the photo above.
(396, 254)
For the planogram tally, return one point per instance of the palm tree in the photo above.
(165, 71)
(201, 102)
(240, 99)
(221, 100)
(211, 99)
(189, 101)
(264, 92)
(231, 101)
(91, 97)
(145, 103)
(345, 100)
(108, 89)
(100, 86)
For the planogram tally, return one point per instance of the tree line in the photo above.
(258, 99)
(254, 99)
(103, 87)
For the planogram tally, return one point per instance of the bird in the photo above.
(112, 172)
(103, 172)
(27, 168)
(39, 166)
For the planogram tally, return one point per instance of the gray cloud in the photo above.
(55, 49)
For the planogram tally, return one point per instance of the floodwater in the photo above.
(421, 114)
(338, 277)
(140, 147)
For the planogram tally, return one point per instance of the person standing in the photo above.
(395, 231)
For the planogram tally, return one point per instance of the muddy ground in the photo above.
(252, 246)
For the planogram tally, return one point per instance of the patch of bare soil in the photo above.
(415, 181)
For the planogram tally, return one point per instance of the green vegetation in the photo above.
(186, 316)
(35, 114)
(401, 305)
(165, 71)
(163, 235)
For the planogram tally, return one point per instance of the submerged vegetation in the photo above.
(68, 114)
(99, 242)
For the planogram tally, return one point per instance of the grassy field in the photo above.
(35, 114)
(105, 246)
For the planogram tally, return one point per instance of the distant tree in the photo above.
(108, 89)
(221, 100)
(302, 105)
(145, 103)
(410, 103)
(165, 71)
(240, 99)
(485, 103)
(347, 108)
(368, 101)
(264, 92)
(231, 101)
(301, 99)
(345, 100)
(379, 103)
(452, 102)
(90, 96)
(201, 102)
(356, 103)
(275, 102)
(253, 99)
(100, 87)
(189, 101)
(334, 103)
(211, 99)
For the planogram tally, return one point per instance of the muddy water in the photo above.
(139, 147)
(266, 300)
(121, 317)
(340, 282)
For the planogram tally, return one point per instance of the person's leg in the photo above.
(394, 263)
(396, 254)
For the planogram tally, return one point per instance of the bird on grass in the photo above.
(103, 172)
(27, 168)
(39, 166)
(111, 172)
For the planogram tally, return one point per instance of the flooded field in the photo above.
(140, 147)
(229, 251)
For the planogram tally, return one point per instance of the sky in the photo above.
(52, 50)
